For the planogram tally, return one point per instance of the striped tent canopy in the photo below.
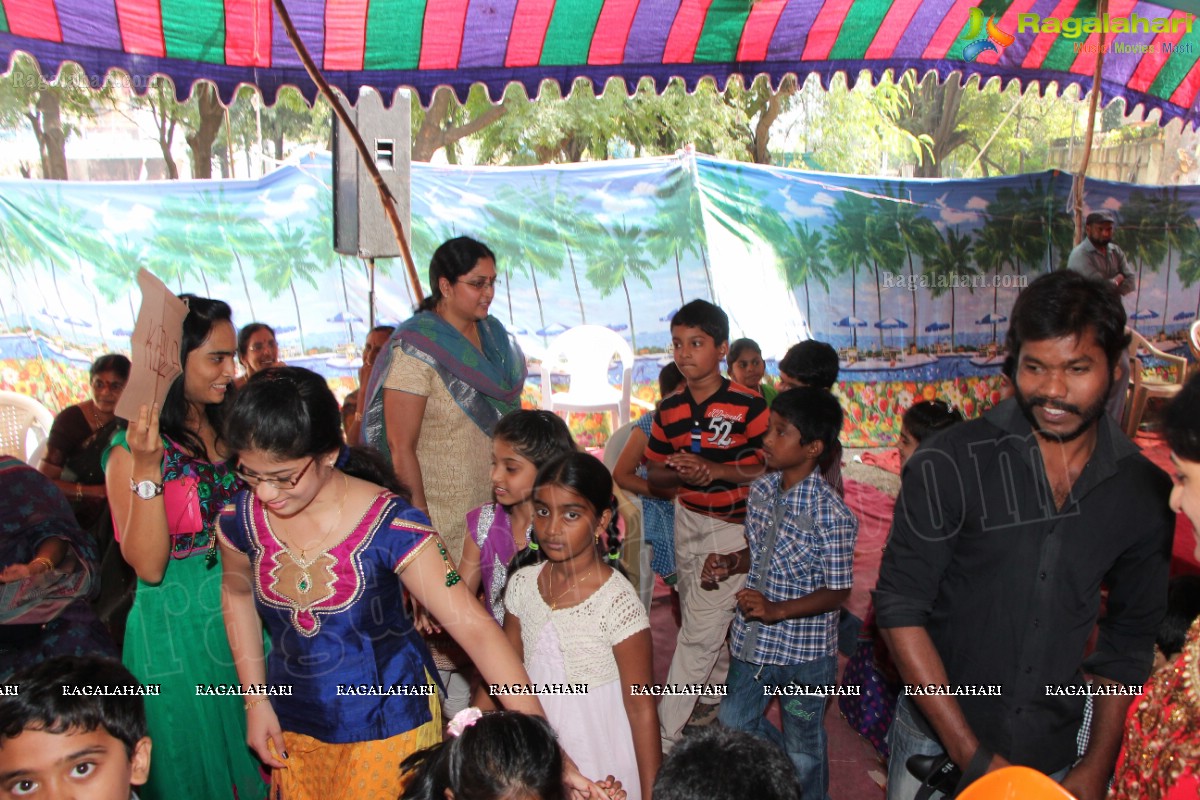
(423, 44)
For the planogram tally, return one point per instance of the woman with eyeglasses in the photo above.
(167, 482)
(257, 350)
(438, 389)
(318, 550)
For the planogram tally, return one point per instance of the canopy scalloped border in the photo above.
(51, 56)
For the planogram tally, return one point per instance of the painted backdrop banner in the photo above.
(911, 280)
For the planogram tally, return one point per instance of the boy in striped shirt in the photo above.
(706, 441)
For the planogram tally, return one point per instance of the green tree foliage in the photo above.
(168, 115)
(255, 125)
(52, 111)
(446, 121)
(586, 126)
(941, 130)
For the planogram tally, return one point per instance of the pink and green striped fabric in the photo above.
(423, 44)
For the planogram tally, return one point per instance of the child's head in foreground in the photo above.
(669, 379)
(522, 442)
(810, 363)
(922, 420)
(721, 764)
(57, 744)
(504, 755)
(800, 419)
(1183, 607)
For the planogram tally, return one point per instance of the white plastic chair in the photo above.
(24, 426)
(585, 353)
(1141, 388)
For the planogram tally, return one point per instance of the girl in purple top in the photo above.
(496, 532)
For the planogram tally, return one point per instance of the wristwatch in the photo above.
(147, 490)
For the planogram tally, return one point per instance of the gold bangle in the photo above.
(43, 560)
(252, 703)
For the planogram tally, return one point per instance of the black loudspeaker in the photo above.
(360, 227)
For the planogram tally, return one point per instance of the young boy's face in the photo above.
(782, 448)
(76, 765)
(695, 352)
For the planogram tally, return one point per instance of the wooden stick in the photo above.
(385, 194)
(1077, 189)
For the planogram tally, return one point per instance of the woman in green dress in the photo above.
(167, 483)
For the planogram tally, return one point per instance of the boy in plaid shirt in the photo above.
(801, 550)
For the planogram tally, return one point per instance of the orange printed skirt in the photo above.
(357, 771)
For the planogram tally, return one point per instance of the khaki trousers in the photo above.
(701, 654)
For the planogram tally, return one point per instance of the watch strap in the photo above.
(134, 486)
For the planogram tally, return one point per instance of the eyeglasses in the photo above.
(253, 480)
(480, 285)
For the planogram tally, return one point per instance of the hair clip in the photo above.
(463, 720)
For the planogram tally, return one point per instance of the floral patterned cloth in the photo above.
(212, 486)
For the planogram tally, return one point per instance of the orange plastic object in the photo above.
(1015, 783)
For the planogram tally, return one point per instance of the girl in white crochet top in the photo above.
(582, 632)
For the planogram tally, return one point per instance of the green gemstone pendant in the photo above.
(304, 584)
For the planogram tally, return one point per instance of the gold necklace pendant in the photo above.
(304, 583)
(550, 587)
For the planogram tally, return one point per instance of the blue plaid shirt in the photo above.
(814, 549)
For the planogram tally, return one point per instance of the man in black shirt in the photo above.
(1005, 530)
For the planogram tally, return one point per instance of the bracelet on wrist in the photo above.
(255, 701)
(43, 560)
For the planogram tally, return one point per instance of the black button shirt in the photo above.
(1008, 586)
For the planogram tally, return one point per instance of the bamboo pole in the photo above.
(385, 194)
(1086, 157)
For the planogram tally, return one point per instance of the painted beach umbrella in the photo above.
(935, 327)
(1142, 316)
(553, 329)
(891, 324)
(1183, 316)
(281, 329)
(670, 315)
(123, 332)
(342, 316)
(851, 322)
(991, 319)
(617, 326)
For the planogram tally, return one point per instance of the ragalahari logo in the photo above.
(995, 41)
